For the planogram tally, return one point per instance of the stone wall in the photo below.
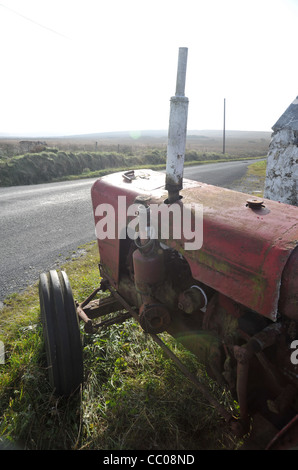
(281, 183)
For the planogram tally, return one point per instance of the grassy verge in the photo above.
(54, 165)
(258, 169)
(157, 167)
(255, 177)
(254, 180)
(133, 396)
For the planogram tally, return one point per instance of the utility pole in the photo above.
(224, 128)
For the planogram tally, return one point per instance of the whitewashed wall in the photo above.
(281, 182)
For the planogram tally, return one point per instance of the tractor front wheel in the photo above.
(61, 332)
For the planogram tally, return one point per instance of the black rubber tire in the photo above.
(61, 333)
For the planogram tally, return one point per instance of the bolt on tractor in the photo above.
(214, 268)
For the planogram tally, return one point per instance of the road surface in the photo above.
(42, 225)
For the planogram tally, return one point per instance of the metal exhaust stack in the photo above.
(177, 132)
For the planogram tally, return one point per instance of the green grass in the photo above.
(258, 169)
(133, 396)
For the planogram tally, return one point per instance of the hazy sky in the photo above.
(70, 66)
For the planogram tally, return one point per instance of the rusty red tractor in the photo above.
(235, 286)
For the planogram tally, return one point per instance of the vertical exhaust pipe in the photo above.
(177, 132)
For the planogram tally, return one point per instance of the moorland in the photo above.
(28, 160)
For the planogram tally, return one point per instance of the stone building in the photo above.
(281, 183)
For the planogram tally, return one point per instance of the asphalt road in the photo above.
(42, 225)
(218, 174)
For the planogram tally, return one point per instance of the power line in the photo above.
(33, 21)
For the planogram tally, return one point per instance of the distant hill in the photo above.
(136, 134)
